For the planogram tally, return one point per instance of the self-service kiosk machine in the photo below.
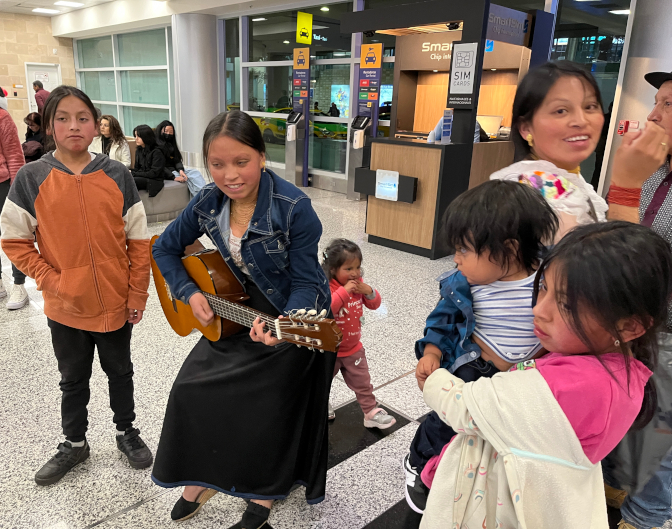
(294, 147)
(359, 131)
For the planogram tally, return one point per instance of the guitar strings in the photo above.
(245, 316)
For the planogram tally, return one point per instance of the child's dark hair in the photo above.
(532, 91)
(55, 97)
(615, 271)
(510, 220)
(338, 252)
(146, 134)
(234, 124)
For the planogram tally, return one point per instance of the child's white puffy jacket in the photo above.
(516, 462)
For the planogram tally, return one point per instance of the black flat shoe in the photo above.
(183, 509)
(254, 517)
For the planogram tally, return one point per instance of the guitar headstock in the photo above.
(312, 330)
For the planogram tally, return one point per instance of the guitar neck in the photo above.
(239, 314)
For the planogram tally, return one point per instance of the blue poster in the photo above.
(340, 94)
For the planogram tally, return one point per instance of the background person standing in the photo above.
(647, 202)
(41, 95)
(11, 160)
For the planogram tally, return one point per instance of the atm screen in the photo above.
(294, 117)
(360, 122)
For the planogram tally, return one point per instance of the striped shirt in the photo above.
(503, 314)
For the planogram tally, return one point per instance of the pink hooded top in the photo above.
(599, 403)
(600, 406)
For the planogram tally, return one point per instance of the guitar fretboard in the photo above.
(239, 313)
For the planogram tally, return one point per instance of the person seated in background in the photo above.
(150, 163)
(436, 134)
(112, 141)
(174, 170)
(333, 111)
(33, 147)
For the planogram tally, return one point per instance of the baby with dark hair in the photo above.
(483, 323)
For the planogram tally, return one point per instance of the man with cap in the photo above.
(651, 206)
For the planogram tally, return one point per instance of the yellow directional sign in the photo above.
(372, 56)
(304, 28)
(301, 56)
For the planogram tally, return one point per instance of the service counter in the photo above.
(436, 174)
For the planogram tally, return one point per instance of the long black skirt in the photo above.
(247, 419)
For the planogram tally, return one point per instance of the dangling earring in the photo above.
(529, 139)
(617, 343)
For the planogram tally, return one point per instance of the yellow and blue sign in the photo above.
(304, 28)
(371, 56)
(300, 78)
(370, 72)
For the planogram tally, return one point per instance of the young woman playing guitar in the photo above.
(246, 414)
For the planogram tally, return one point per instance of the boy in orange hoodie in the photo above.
(92, 267)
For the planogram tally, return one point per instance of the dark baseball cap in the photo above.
(656, 79)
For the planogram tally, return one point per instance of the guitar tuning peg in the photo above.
(323, 313)
(321, 350)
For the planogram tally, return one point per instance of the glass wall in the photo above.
(232, 64)
(95, 53)
(128, 76)
(273, 36)
(272, 39)
(147, 48)
(270, 88)
(593, 36)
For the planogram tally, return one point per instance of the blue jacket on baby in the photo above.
(451, 324)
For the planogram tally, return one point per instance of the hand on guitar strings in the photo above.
(135, 316)
(257, 333)
(201, 309)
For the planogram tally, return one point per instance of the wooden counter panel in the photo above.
(430, 100)
(488, 157)
(406, 223)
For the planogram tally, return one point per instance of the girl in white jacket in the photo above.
(529, 443)
(112, 141)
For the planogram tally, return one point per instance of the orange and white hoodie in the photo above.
(93, 259)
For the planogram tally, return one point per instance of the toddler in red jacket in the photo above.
(343, 266)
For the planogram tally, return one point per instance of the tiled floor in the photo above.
(365, 480)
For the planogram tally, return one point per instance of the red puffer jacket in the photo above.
(11, 153)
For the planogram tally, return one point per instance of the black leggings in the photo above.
(19, 276)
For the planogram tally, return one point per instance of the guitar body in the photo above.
(212, 275)
(225, 295)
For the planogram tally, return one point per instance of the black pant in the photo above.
(140, 182)
(19, 276)
(74, 352)
(433, 434)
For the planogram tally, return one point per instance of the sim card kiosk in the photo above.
(294, 148)
(359, 131)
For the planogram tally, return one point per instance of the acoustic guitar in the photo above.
(225, 295)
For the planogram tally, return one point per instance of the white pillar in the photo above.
(196, 82)
(647, 40)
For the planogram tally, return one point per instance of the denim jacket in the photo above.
(279, 247)
(451, 324)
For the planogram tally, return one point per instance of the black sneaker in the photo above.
(67, 458)
(135, 449)
(416, 491)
